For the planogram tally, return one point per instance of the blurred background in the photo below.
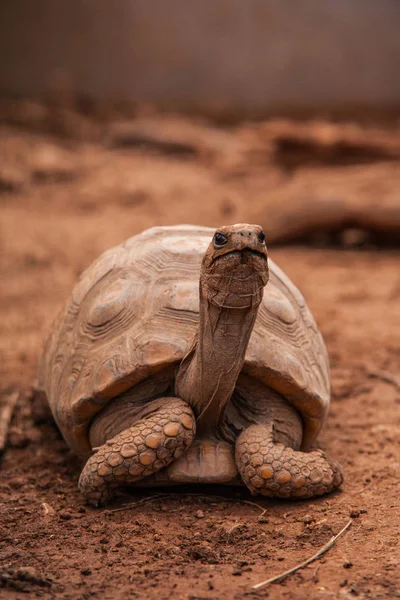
(254, 57)
(206, 112)
(120, 115)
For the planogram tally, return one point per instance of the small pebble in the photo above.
(27, 574)
(347, 564)
(66, 516)
(200, 514)
(308, 519)
(353, 590)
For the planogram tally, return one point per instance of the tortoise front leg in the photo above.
(138, 451)
(272, 469)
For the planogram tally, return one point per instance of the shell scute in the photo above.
(110, 304)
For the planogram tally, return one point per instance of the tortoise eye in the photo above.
(261, 237)
(220, 240)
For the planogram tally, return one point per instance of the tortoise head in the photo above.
(234, 270)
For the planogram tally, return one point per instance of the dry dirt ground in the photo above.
(66, 198)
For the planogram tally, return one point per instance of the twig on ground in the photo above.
(183, 495)
(385, 376)
(361, 490)
(232, 529)
(320, 552)
(133, 504)
(314, 577)
(7, 406)
(48, 509)
(234, 500)
(263, 510)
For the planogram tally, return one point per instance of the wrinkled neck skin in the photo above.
(208, 374)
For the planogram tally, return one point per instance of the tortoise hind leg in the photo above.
(273, 469)
(138, 451)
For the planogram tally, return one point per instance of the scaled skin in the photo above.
(232, 281)
(211, 397)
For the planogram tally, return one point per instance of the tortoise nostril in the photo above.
(248, 234)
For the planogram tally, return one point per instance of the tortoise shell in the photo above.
(134, 312)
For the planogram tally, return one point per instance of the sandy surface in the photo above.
(65, 200)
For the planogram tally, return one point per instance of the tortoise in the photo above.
(169, 364)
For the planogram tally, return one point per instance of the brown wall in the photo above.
(247, 54)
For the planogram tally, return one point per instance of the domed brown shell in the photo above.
(135, 311)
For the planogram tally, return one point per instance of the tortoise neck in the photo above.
(208, 374)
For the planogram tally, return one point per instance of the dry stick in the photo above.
(314, 577)
(6, 412)
(235, 501)
(157, 496)
(263, 510)
(361, 490)
(306, 562)
(385, 376)
(133, 504)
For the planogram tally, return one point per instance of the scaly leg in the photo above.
(150, 444)
(272, 469)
